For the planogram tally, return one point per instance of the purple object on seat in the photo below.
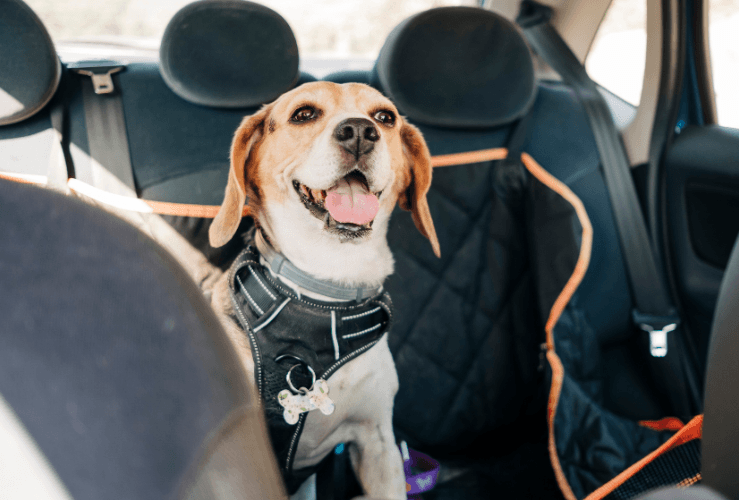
(424, 480)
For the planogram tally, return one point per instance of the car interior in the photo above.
(526, 367)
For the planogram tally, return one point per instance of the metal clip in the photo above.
(100, 72)
(657, 326)
(102, 83)
(658, 338)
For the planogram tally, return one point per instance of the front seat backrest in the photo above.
(720, 463)
(115, 366)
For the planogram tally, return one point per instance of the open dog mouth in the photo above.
(348, 208)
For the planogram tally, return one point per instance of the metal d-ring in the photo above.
(290, 384)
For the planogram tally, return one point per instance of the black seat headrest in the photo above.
(228, 54)
(31, 70)
(457, 67)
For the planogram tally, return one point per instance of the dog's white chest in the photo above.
(363, 392)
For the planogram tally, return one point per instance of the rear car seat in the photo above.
(216, 68)
(466, 340)
(179, 117)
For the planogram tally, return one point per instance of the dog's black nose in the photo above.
(357, 135)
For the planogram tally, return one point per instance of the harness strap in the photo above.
(267, 301)
(283, 267)
(323, 335)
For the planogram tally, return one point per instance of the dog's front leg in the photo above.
(377, 462)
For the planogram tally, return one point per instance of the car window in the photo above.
(723, 32)
(323, 28)
(618, 54)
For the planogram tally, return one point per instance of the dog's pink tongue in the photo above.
(349, 201)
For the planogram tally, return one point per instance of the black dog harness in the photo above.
(285, 330)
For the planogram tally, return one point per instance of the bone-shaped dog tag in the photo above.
(295, 404)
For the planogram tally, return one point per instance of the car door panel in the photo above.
(702, 212)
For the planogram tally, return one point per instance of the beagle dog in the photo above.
(322, 168)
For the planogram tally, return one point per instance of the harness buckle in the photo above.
(100, 72)
(657, 327)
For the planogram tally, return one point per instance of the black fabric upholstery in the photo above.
(457, 67)
(109, 355)
(484, 243)
(30, 67)
(465, 343)
(228, 53)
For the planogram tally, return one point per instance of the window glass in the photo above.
(323, 28)
(618, 54)
(723, 32)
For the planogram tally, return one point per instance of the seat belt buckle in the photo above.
(657, 327)
(100, 72)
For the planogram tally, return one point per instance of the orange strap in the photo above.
(666, 424)
(185, 210)
(469, 157)
(210, 211)
(30, 179)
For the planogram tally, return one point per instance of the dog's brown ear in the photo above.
(418, 159)
(227, 221)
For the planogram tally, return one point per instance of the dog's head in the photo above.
(327, 163)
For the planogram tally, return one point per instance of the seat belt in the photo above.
(60, 167)
(654, 312)
(510, 174)
(110, 161)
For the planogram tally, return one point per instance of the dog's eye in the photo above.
(385, 117)
(303, 114)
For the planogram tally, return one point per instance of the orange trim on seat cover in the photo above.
(581, 266)
(210, 211)
(20, 178)
(186, 210)
(468, 157)
(692, 430)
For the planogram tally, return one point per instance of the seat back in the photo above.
(114, 366)
(720, 467)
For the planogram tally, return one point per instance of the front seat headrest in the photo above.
(228, 54)
(31, 70)
(457, 67)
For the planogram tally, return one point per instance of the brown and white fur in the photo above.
(299, 138)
